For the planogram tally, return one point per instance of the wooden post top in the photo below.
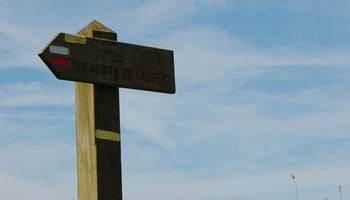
(94, 25)
(97, 29)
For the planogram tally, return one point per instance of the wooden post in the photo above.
(95, 56)
(98, 133)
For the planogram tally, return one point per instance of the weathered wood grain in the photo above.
(85, 139)
(99, 160)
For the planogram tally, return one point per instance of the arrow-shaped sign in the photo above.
(100, 61)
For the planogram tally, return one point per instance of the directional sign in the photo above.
(107, 62)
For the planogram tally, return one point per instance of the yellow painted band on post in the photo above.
(75, 39)
(107, 135)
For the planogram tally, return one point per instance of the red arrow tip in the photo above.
(59, 60)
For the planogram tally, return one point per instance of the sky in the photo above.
(262, 93)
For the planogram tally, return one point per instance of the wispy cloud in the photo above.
(48, 172)
(159, 16)
(33, 94)
(32, 190)
(226, 134)
(208, 53)
(272, 185)
(313, 7)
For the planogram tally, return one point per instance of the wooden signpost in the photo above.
(100, 65)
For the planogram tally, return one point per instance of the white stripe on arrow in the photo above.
(59, 50)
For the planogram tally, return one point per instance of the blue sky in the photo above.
(262, 92)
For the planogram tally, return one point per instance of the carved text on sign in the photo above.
(108, 62)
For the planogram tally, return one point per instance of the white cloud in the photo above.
(152, 114)
(41, 157)
(210, 72)
(20, 43)
(272, 185)
(174, 18)
(22, 35)
(328, 8)
(337, 8)
(205, 54)
(33, 94)
(213, 139)
(38, 171)
(246, 126)
(159, 15)
(16, 187)
(194, 121)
